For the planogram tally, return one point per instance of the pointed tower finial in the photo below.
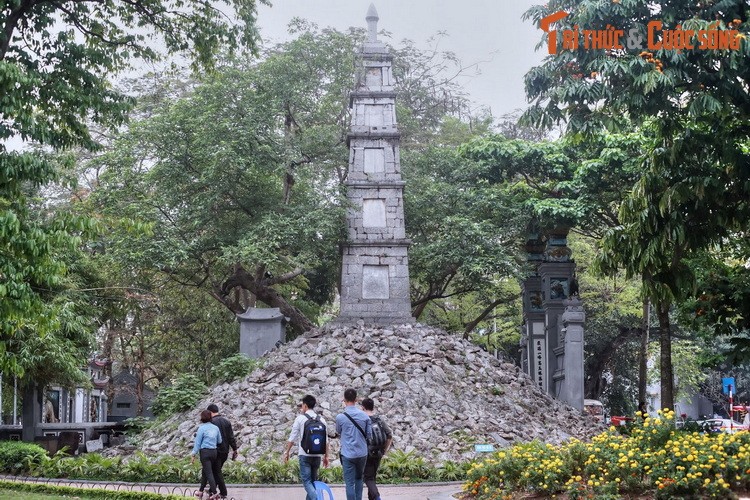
(372, 24)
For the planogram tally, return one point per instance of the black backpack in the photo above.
(379, 436)
(314, 436)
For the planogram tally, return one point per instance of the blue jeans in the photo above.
(354, 476)
(308, 473)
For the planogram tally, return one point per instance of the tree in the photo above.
(56, 59)
(449, 211)
(582, 184)
(692, 102)
(237, 181)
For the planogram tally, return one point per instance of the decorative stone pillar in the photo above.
(533, 338)
(571, 389)
(375, 264)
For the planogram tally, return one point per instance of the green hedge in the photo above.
(28, 459)
(18, 457)
(85, 492)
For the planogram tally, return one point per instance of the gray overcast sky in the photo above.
(486, 31)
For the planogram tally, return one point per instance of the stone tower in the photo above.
(375, 268)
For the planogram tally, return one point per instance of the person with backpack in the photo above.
(378, 446)
(353, 425)
(309, 433)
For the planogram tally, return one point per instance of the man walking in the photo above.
(310, 438)
(353, 425)
(379, 445)
(222, 449)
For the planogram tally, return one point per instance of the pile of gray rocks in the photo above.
(440, 394)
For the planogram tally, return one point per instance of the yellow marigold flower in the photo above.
(617, 479)
(706, 481)
(579, 478)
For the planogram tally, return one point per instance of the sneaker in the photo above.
(199, 495)
(215, 496)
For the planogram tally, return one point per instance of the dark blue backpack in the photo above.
(314, 436)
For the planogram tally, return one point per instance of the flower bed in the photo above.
(650, 457)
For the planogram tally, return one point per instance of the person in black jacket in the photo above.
(227, 441)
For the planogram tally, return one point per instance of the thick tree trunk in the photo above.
(643, 357)
(265, 293)
(417, 311)
(665, 356)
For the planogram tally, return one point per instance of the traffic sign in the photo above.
(726, 383)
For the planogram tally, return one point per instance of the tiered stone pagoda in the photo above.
(375, 269)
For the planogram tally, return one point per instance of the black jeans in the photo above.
(371, 469)
(222, 457)
(211, 469)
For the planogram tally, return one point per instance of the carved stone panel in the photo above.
(374, 116)
(373, 212)
(375, 283)
(374, 77)
(374, 160)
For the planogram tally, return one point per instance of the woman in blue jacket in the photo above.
(206, 439)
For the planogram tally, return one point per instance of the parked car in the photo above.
(722, 425)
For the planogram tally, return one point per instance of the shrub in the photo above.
(654, 458)
(136, 425)
(403, 467)
(396, 467)
(17, 457)
(234, 367)
(183, 394)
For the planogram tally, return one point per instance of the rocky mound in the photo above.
(439, 393)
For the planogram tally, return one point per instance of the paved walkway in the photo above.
(387, 492)
(422, 491)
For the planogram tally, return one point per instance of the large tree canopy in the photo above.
(238, 178)
(693, 103)
(56, 59)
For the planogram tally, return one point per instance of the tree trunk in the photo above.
(417, 311)
(266, 294)
(468, 327)
(643, 357)
(139, 380)
(107, 348)
(665, 356)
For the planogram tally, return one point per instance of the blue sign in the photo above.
(479, 448)
(726, 382)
